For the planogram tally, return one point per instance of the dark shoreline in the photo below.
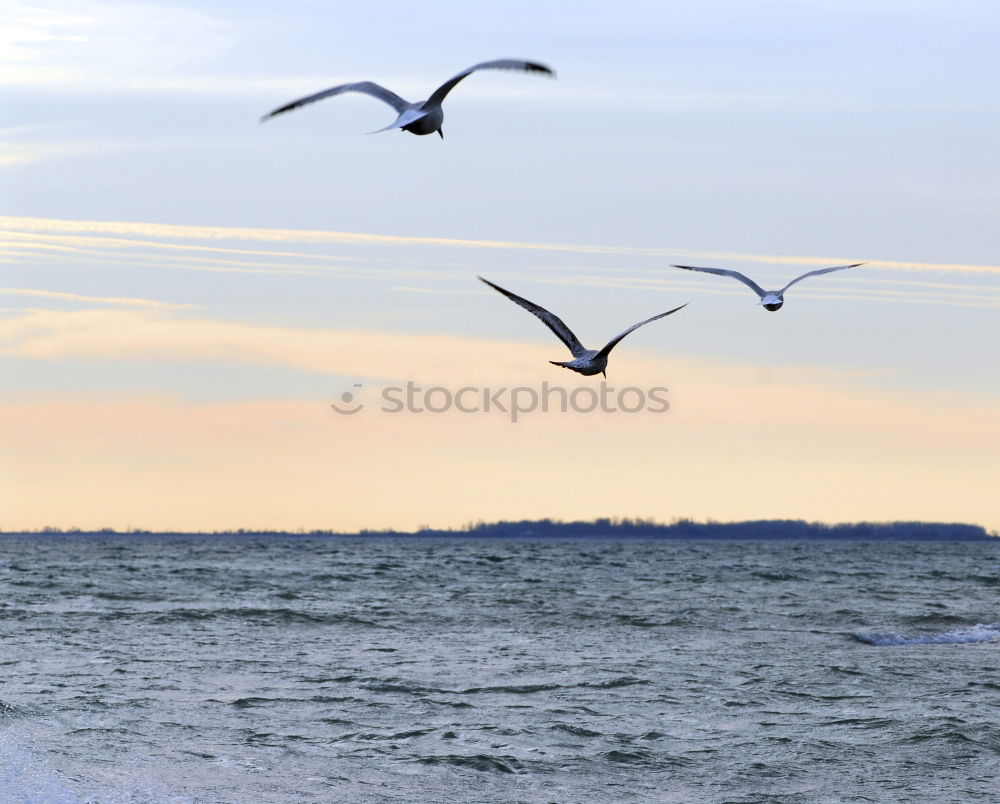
(757, 530)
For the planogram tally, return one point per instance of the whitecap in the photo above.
(956, 636)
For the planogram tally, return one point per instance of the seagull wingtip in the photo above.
(538, 67)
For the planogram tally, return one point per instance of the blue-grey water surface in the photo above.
(244, 669)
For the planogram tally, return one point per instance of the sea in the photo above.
(139, 668)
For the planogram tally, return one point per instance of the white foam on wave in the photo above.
(27, 777)
(24, 778)
(957, 636)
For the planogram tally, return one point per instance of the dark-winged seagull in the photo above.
(769, 299)
(585, 361)
(422, 117)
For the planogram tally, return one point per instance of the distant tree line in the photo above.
(789, 529)
(757, 529)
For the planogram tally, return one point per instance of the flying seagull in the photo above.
(422, 117)
(585, 361)
(770, 299)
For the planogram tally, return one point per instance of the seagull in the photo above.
(422, 117)
(585, 361)
(769, 299)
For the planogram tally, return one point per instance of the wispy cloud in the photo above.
(147, 335)
(401, 261)
(13, 154)
(436, 291)
(83, 243)
(99, 44)
(209, 233)
(154, 335)
(114, 300)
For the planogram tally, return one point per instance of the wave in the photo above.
(149, 597)
(640, 621)
(624, 681)
(776, 576)
(576, 731)
(399, 735)
(252, 701)
(375, 685)
(259, 616)
(29, 775)
(478, 762)
(10, 710)
(956, 636)
(395, 685)
(513, 689)
(23, 777)
(452, 704)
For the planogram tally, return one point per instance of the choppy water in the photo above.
(306, 670)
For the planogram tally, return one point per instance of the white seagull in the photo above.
(769, 299)
(422, 117)
(585, 361)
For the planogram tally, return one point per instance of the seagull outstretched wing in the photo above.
(553, 322)
(746, 280)
(366, 87)
(614, 341)
(817, 272)
(437, 98)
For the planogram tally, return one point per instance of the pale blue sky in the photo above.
(796, 128)
(768, 137)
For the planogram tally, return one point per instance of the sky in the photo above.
(188, 296)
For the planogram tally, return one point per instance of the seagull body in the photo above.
(422, 117)
(769, 299)
(585, 361)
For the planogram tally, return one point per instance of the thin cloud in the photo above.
(146, 335)
(34, 240)
(189, 232)
(301, 265)
(115, 300)
(145, 245)
(435, 291)
(714, 288)
(16, 154)
(150, 335)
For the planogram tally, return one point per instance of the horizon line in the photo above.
(472, 528)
